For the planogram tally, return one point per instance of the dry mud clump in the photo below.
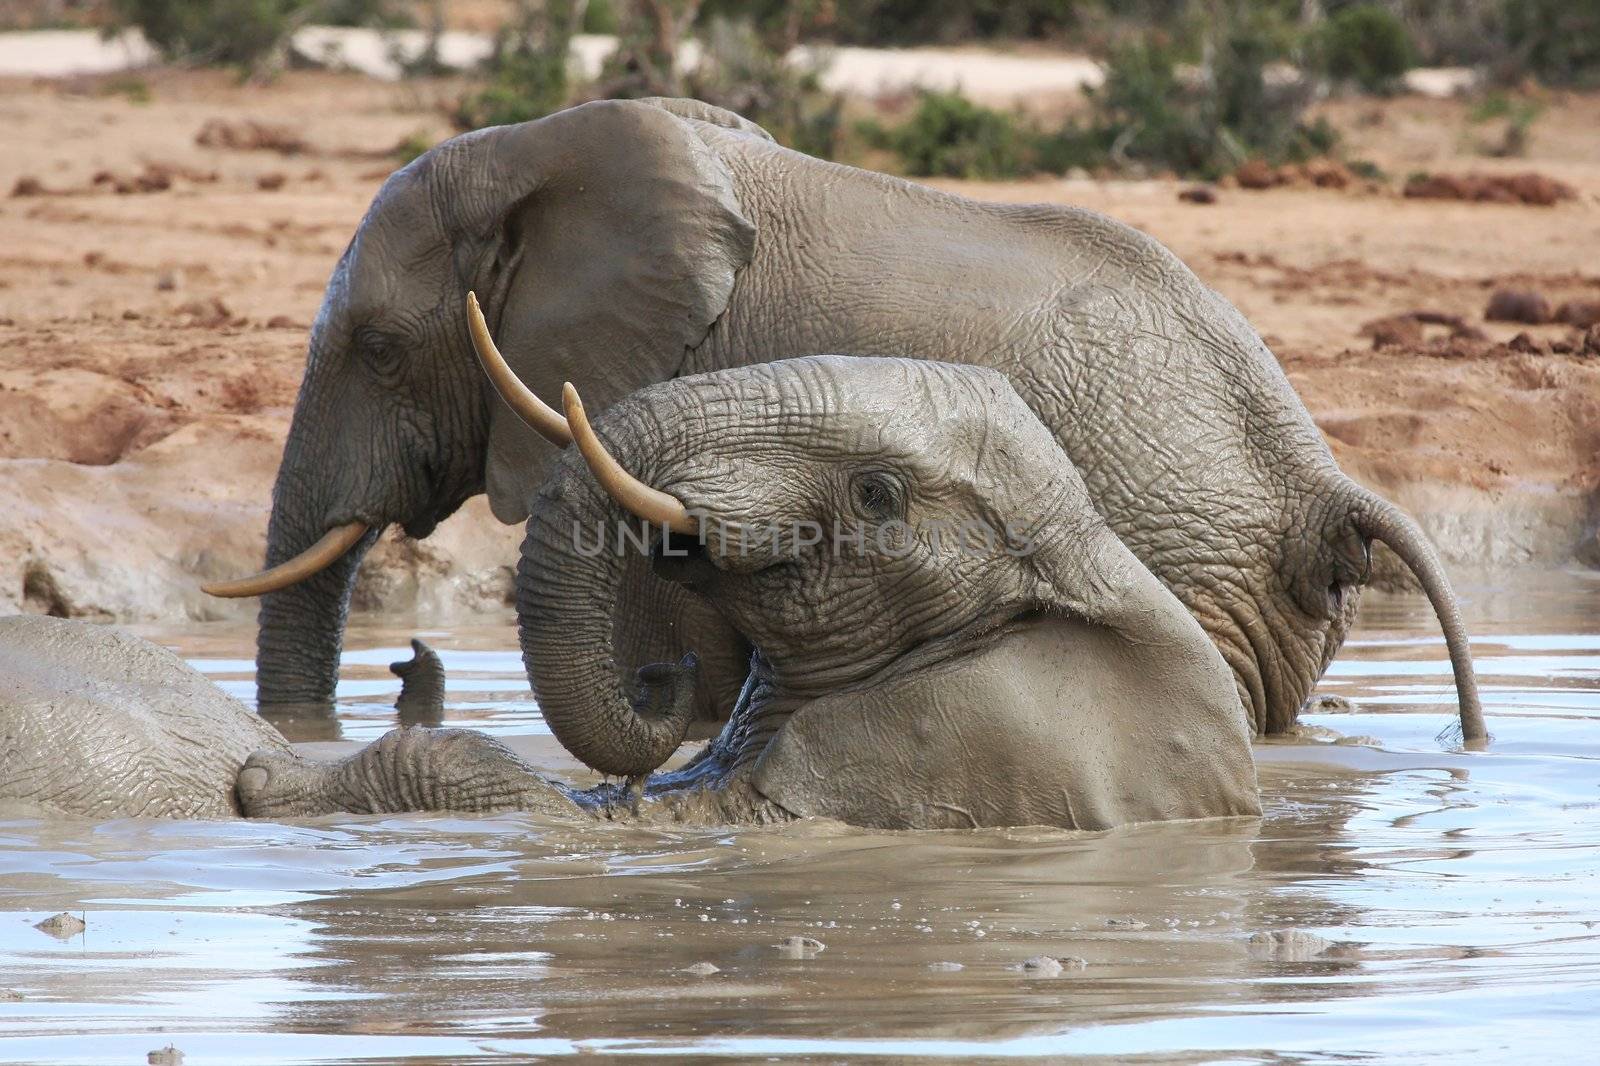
(1527, 188)
(245, 135)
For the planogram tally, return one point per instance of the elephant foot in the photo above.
(274, 784)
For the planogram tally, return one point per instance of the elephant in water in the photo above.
(96, 722)
(947, 634)
(621, 243)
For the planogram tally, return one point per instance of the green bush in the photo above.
(243, 33)
(1556, 41)
(739, 71)
(950, 136)
(250, 34)
(1363, 44)
(524, 86)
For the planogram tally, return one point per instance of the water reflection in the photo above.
(1452, 895)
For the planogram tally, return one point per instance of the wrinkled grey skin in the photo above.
(1046, 677)
(617, 244)
(96, 722)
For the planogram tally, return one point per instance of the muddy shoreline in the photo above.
(152, 338)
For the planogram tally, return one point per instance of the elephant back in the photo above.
(99, 723)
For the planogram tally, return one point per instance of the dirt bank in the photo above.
(151, 341)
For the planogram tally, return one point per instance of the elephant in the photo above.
(96, 722)
(618, 244)
(946, 633)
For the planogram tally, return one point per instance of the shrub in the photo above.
(528, 67)
(524, 86)
(243, 33)
(250, 34)
(1363, 44)
(1207, 124)
(738, 70)
(1556, 41)
(950, 136)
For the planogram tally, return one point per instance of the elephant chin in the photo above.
(1052, 721)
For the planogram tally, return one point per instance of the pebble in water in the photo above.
(799, 947)
(62, 926)
(1287, 945)
(945, 967)
(703, 969)
(167, 1056)
(1049, 966)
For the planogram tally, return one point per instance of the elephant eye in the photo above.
(878, 496)
(382, 351)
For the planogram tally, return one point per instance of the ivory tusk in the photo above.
(538, 415)
(334, 543)
(635, 496)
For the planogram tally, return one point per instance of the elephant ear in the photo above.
(613, 238)
(1054, 723)
(700, 111)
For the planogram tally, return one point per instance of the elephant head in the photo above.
(938, 610)
(394, 420)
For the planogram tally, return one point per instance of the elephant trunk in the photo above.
(1378, 519)
(574, 558)
(302, 625)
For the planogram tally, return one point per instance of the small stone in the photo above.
(167, 1056)
(1256, 174)
(1526, 342)
(800, 947)
(28, 186)
(167, 282)
(1518, 305)
(1198, 194)
(271, 182)
(282, 322)
(1287, 945)
(1580, 313)
(1326, 703)
(1051, 966)
(945, 967)
(1591, 340)
(1125, 923)
(62, 926)
(703, 969)
(11, 995)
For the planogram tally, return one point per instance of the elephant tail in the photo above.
(1378, 519)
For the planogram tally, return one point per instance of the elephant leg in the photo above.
(413, 769)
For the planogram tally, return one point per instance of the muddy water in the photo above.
(1429, 906)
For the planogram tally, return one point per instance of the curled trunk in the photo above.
(567, 582)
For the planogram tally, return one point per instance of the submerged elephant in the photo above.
(97, 722)
(621, 243)
(947, 634)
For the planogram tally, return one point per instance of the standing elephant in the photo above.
(948, 635)
(621, 243)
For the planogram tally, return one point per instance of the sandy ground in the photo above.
(151, 342)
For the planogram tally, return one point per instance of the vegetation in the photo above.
(1363, 44)
(251, 35)
(527, 70)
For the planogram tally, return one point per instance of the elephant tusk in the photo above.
(538, 415)
(334, 543)
(635, 496)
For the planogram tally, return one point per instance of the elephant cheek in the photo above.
(1060, 722)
